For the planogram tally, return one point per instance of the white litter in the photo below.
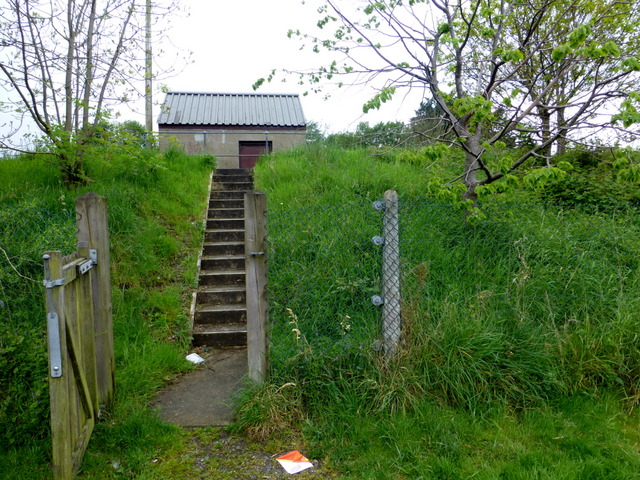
(294, 462)
(195, 358)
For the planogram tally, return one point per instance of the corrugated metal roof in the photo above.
(237, 109)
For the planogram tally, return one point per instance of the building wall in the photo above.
(224, 143)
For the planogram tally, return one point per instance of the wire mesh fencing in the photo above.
(354, 276)
(25, 233)
(323, 270)
(523, 262)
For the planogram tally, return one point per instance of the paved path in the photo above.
(204, 396)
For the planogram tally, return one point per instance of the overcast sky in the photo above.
(233, 43)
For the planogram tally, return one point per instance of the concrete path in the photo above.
(204, 396)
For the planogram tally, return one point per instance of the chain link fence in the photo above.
(336, 272)
(527, 262)
(26, 232)
(323, 271)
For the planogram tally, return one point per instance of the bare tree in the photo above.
(496, 69)
(65, 62)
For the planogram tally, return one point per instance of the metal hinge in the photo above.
(53, 325)
(53, 283)
(55, 347)
(88, 265)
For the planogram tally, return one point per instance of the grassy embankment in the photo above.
(521, 354)
(156, 205)
(521, 351)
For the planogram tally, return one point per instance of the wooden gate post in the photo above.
(62, 448)
(93, 232)
(255, 217)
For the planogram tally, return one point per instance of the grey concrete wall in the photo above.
(224, 144)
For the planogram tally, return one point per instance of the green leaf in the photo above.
(565, 166)
(579, 36)
(611, 49)
(560, 52)
(381, 97)
(443, 28)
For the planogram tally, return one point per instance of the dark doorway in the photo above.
(250, 152)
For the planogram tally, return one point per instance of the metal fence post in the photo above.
(255, 208)
(391, 321)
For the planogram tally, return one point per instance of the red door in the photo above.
(250, 152)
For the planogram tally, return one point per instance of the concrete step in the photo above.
(220, 309)
(233, 235)
(222, 278)
(224, 186)
(222, 262)
(232, 178)
(225, 295)
(226, 195)
(220, 314)
(223, 248)
(220, 335)
(225, 224)
(225, 213)
(233, 171)
(227, 203)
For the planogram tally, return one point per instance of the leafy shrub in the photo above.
(593, 182)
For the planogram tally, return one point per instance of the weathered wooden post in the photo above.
(59, 364)
(255, 208)
(93, 233)
(391, 321)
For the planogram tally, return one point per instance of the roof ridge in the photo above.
(238, 94)
(239, 109)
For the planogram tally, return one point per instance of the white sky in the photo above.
(234, 43)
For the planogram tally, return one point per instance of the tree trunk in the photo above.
(545, 129)
(72, 171)
(88, 80)
(470, 180)
(562, 139)
(68, 85)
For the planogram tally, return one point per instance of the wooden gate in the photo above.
(80, 336)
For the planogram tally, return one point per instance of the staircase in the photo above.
(220, 315)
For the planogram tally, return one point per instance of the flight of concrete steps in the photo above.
(220, 315)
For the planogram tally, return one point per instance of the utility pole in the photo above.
(148, 77)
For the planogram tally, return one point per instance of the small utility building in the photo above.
(234, 127)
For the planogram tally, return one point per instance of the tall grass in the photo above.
(526, 314)
(156, 204)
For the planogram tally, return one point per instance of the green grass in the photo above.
(521, 325)
(578, 439)
(520, 356)
(156, 204)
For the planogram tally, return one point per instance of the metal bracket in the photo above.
(379, 205)
(377, 300)
(85, 267)
(254, 254)
(55, 354)
(53, 283)
(378, 241)
(88, 265)
(53, 323)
